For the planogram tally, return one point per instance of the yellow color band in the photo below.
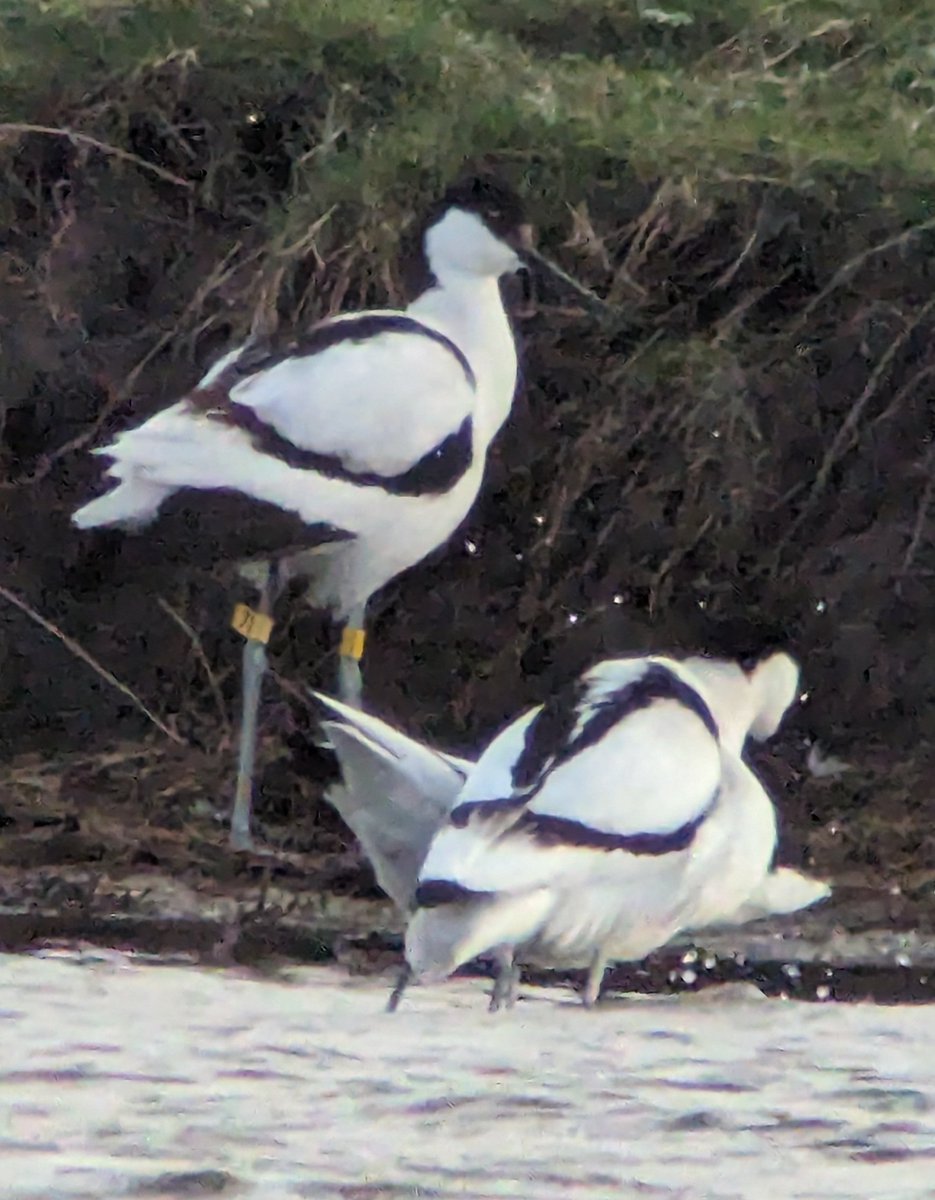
(252, 625)
(352, 643)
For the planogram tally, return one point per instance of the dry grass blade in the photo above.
(203, 660)
(45, 464)
(117, 395)
(848, 430)
(17, 129)
(922, 515)
(592, 301)
(852, 266)
(80, 652)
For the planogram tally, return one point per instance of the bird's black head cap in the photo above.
(493, 200)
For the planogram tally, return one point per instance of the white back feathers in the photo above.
(599, 825)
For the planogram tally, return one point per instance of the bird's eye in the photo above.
(495, 213)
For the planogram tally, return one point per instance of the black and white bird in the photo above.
(596, 827)
(344, 459)
(397, 793)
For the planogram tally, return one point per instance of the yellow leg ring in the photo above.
(252, 625)
(352, 643)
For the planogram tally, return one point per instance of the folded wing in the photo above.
(322, 433)
(630, 776)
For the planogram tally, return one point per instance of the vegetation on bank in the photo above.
(373, 104)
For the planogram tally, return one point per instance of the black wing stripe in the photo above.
(461, 814)
(547, 743)
(195, 528)
(435, 892)
(436, 472)
(561, 831)
(332, 332)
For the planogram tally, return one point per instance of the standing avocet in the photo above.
(396, 793)
(599, 825)
(344, 459)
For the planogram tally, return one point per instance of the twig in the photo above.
(265, 320)
(48, 461)
(293, 690)
(673, 558)
(116, 396)
(591, 299)
(848, 427)
(8, 128)
(906, 390)
(80, 652)
(220, 274)
(850, 268)
(199, 649)
(918, 529)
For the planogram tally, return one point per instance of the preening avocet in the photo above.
(396, 793)
(599, 825)
(344, 459)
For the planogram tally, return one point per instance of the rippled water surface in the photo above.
(124, 1079)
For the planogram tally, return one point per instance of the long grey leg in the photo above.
(506, 985)
(353, 636)
(255, 627)
(402, 982)
(592, 989)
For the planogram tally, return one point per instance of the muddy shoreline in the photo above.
(810, 957)
(127, 850)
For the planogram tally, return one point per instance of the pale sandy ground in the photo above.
(114, 1073)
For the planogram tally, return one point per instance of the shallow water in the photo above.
(120, 1078)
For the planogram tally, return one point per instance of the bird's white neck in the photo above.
(469, 309)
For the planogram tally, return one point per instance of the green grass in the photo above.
(809, 95)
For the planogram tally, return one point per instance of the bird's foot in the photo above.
(241, 841)
(505, 991)
(402, 982)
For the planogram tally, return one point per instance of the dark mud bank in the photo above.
(876, 966)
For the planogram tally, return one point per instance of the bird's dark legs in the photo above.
(505, 989)
(592, 988)
(255, 626)
(353, 637)
(506, 984)
(402, 982)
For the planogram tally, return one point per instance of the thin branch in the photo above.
(848, 430)
(749, 246)
(199, 649)
(673, 558)
(14, 128)
(80, 652)
(116, 396)
(918, 530)
(906, 390)
(850, 268)
(47, 461)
